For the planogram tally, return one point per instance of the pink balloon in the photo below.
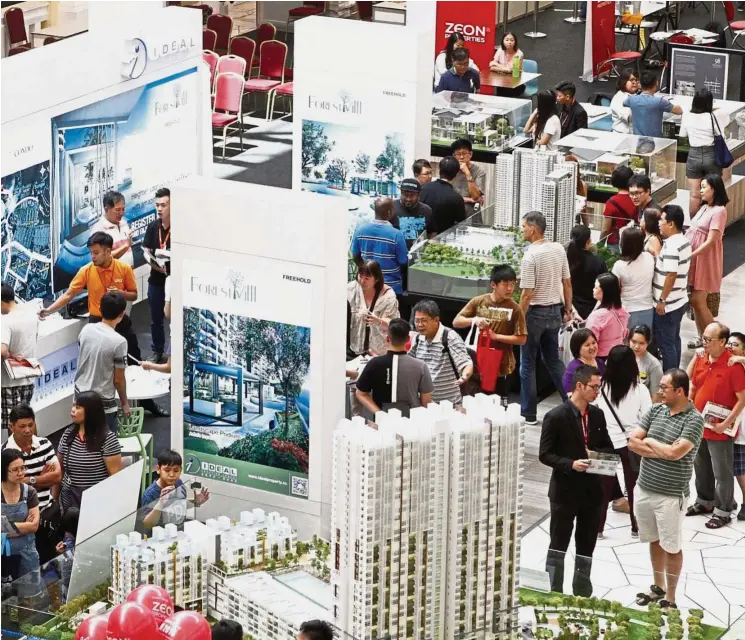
(131, 621)
(155, 599)
(93, 628)
(186, 625)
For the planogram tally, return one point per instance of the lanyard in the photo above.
(584, 420)
(161, 240)
(100, 279)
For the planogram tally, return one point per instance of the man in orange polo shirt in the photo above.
(716, 386)
(103, 274)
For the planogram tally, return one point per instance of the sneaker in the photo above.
(634, 534)
(601, 536)
(531, 423)
(695, 344)
(741, 513)
(621, 505)
(157, 357)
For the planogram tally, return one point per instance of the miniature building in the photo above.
(557, 203)
(426, 522)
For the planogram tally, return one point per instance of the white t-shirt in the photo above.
(553, 129)
(440, 67)
(636, 282)
(700, 129)
(621, 115)
(19, 330)
(629, 411)
(120, 235)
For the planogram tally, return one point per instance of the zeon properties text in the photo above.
(470, 32)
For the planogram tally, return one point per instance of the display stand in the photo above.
(258, 304)
(575, 17)
(535, 33)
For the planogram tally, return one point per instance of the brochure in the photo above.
(604, 464)
(715, 413)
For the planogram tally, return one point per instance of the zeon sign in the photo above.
(478, 32)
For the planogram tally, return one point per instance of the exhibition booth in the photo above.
(405, 527)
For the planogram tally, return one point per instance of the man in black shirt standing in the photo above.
(409, 214)
(158, 236)
(447, 206)
(571, 114)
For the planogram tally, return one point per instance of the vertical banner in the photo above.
(600, 37)
(248, 374)
(476, 21)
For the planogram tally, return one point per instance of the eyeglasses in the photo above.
(421, 320)
(21, 469)
(594, 387)
(707, 340)
(636, 194)
(734, 345)
(665, 387)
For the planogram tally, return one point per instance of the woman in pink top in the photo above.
(609, 321)
(503, 58)
(705, 238)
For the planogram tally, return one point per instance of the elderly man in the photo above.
(113, 223)
(379, 240)
(718, 392)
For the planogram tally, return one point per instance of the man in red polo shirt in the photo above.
(716, 388)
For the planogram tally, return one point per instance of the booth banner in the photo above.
(476, 21)
(26, 254)
(134, 142)
(691, 69)
(247, 372)
(356, 143)
(600, 37)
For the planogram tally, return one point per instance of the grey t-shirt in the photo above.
(412, 379)
(460, 184)
(650, 372)
(101, 351)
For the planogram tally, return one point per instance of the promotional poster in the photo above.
(247, 373)
(134, 143)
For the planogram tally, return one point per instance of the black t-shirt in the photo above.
(447, 206)
(412, 377)
(156, 237)
(411, 221)
(583, 282)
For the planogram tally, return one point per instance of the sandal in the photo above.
(657, 593)
(717, 522)
(666, 604)
(699, 510)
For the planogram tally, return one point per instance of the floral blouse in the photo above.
(386, 306)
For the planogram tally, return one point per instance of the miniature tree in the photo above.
(615, 607)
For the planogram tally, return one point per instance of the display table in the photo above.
(391, 12)
(57, 349)
(63, 29)
(146, 385)
(506, 80)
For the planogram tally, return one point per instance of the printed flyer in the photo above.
(247, 383)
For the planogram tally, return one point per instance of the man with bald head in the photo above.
(379, 240)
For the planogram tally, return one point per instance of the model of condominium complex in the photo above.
(528, 180)
(426, 522)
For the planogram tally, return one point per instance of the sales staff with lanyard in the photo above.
(158, 237)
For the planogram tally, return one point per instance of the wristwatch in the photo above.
(32, 480)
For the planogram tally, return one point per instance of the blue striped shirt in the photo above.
(379, 240)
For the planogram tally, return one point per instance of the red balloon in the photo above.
(93, 628)
(155, 599)
(186, 625)
(131, 621)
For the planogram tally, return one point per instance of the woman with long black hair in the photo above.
(444, 59)
(543, 123)
(624, 400)
(609, 321)
(584, 267)
(88, 451)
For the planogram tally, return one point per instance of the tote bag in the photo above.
(722, 156)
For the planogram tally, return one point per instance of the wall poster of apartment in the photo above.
(26, 256)
(247, 372)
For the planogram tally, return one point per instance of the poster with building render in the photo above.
(248, 386)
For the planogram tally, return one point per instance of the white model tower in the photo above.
(505, 207)
(557, 204)
(426, 522)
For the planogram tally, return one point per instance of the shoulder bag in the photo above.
(722, 156)
(634, 458)
(366, 346)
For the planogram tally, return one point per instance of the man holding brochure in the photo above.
(718, 392)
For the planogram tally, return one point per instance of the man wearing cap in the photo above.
(410, 215)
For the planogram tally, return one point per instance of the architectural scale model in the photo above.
(425, 522)
(545, 182)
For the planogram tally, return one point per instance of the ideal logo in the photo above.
(134, 61)
(471, 33)
(210, 469)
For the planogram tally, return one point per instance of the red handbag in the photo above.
(488, 360)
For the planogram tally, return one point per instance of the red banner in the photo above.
(602, 18)
(476, 21)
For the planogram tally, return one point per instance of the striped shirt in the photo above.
(379, 240)
(674, 257)
(438, 362)
(670, 477)
(80, 467)
(42, 453)
(543, 269)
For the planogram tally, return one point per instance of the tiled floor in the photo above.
(713, 576)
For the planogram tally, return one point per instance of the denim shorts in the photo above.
(701, 163)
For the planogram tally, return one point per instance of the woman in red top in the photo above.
(620, 208)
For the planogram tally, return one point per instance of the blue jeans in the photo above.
(667, 336)
(112, 421)
(543, 335)
(641, 317)
(156, 298)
